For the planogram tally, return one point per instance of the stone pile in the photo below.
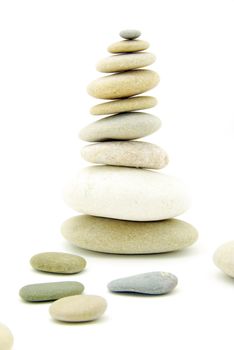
(128, 208)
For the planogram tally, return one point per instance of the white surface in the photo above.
(48, 54)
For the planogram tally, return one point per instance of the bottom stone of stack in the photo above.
(128, 237)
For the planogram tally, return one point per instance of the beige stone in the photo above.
(78, 308)
(128, 237)
(124, 84)
(123, 62)
(124, 126)
(224, 258)
(6, 338)
(126, 153)
(124, 105)
(128, 46)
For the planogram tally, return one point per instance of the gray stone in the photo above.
(130, 34)
(123, 126)
(146, 283)
(50, 291)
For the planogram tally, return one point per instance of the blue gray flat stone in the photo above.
(154, 283)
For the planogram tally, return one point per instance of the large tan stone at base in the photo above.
(128, 237)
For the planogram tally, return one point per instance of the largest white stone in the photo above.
(126, 193)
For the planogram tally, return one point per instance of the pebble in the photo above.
(128, 237)
(130, 34)
(154, 283)
(78, 308)
(124, 126)
(224, 258)
(6, 338)
(118, 63)
(50, 291)
(126, 153)
(128, 46)
(126, 194)
(124, 84)
(54, 262)
(124, 105)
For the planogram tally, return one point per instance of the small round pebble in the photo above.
(50, 291)
(224, 258)
(6, 338)
(124, 105)
(130, 34)
(55, 262)
(154, 283)
(78, 308)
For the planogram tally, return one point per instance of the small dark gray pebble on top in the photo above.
(130, 34)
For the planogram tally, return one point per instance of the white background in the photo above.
(48, 54)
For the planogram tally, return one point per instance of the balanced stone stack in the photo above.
(128, 208)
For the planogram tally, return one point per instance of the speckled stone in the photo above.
(55, 262)
(128, 237)
(6, 338)
(154, 283)
(123, 62)
(78, 308)
(126, 193)
(130, 34)
(128, 46)
(124, 84)
(50, 291)
(126, 153)
(224, 258)
(124, 126)
(124, 105)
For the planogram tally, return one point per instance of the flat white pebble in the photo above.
(126, 193)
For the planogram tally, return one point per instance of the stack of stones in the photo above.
(128, 208)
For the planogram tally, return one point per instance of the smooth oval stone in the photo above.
(224, 258)
(6, 338)
(118, 63)
(78, 308)
(126, 193)
(128, 46)
(124, 105)
(128, 237)
(126, 153)
(154, 283)
(125, 84)
(130, 34)
(124, 126)
(50, 291)
(54, 262)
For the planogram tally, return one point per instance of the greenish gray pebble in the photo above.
(130, 34)
(55, 262)
(50, 291)
(154, 283)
